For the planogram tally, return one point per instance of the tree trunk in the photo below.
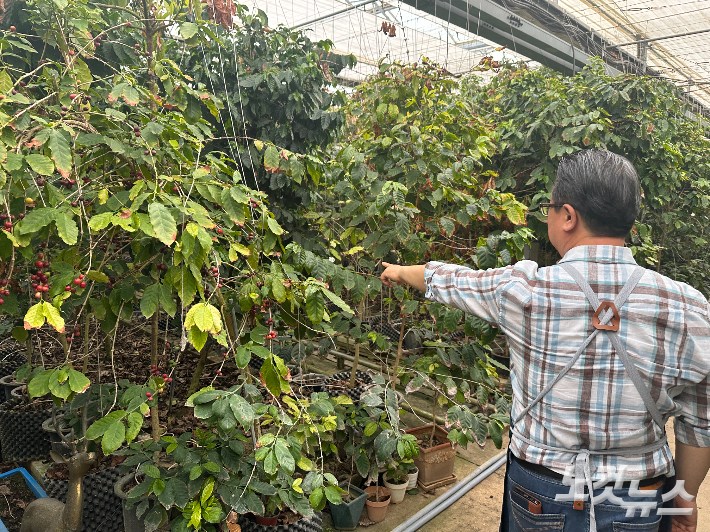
(154, 419)
(399, 352)
(195, 383)
(87, 328)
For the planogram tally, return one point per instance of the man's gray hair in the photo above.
(603, 188)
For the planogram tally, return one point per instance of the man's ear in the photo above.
(570, 218)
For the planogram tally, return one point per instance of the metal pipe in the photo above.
(352, 359)
(445, 500)
(335, 13)
(654, 39)
(423, 413)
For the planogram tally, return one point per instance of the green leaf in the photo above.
(242, 410)
(195, 472)
(284, 456)
(40, 164)
(36, 219)
(337, 300)
(151, 470)
(100, 426)
(39, 384)
(486, 258)
(54, 318)
(271, 159)
(19, 334)
(135, 422)
(114, 437)
(333, 495)
(278, 289)
(78, 382)
(61, 152)
(274, 226)
(242, 357)
(100, 221)
(167, 301)
(34, 317)
(316, 498)
(188, 29)
(67, 228)
(99, 277)
(5, 82)
(234, 209)
(150, 300)
(163, 223)
(315, 306)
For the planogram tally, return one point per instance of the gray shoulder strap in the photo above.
(633, 373)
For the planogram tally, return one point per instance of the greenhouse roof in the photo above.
(597, 27)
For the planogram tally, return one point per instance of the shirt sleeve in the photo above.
(473, 291)
(692, 424)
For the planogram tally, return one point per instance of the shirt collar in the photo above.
(616, 254)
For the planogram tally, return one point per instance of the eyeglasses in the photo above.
(545, 207)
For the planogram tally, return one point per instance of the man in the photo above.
(593, 382)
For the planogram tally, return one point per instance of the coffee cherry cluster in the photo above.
(271, 335)
(39, 278)
(156, 370)
(79, 281)
(9, 218)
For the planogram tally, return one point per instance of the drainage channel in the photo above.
(440, 504)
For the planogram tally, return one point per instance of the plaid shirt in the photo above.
(665, 327)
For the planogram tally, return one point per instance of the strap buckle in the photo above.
(613, 324)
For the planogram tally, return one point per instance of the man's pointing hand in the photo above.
(403, 275)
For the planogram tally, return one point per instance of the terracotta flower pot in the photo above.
(268, 521)
(376, 511)
(434, 463)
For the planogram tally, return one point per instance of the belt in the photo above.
(644, 484)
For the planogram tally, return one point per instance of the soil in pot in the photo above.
(287, 522)
(15, 495)
(378, 499)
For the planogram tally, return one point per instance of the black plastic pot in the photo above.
(353, 393)
(347, 514)
(10, 361)
(103, 509)
(131, 522)
(8, 383)
(304, 385)
(58, 446)
(315, 524)
(21, 436)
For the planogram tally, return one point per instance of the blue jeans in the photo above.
(562, 517)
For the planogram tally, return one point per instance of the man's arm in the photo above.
(691, 465)
(401, 275)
